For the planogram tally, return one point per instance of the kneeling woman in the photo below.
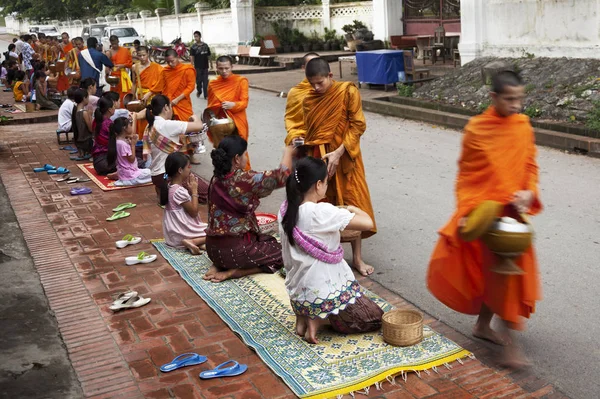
(320, 283)
(234, 242)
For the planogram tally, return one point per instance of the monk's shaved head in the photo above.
(171, 53)
(503, 79)
(317, 67)
(307, 57)
(225, 58)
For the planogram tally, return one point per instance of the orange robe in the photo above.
(150, 80)
(294, 114)
(498, 158)
(123, 57)
(63, 80)
(333, 119)
(180, 80)
(235, 89)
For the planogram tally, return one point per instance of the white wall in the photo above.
(545, 28)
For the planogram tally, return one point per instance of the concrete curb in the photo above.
(549, 138)
(30, 120)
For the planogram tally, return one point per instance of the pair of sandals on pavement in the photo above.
(119, 211)
(73, 180)
(192, 359)
(52, 170)
(128, 300)
(142, 257)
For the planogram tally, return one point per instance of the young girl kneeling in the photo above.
(121, 148)
(320, 283)
(182, 226)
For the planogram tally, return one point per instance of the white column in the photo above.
(242, 17)
(472, 21)
(198, 7)
(326, 14)
(387, 19)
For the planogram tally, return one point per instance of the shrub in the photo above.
(405, 90)
(593, 117)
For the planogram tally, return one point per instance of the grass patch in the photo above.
(405, 90)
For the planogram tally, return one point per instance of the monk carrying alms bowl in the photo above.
(220, 124)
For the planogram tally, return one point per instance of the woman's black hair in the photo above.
(78, 96)
(156, 107)
(116, 128)
(222, 157)
(174, 162)
(19, 76)
(104, 104)
(307, 172)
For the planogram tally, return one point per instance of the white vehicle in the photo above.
(126, 34)
(48, 30)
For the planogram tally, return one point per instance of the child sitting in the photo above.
(65, 112)
(82, 125)
(314, 259)
(3, 73)
(41, 96)
(20, 87)
(182, 226)
(121, 148)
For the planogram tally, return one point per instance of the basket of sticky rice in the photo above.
(402, 327)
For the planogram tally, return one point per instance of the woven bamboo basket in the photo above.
(402, 327)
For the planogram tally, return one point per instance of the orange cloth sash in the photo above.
(150, 80)
(235, 89)
(333, 119)
(498, 158)
(122, 57)
(63, 81)
(294, 114)
(180, 80)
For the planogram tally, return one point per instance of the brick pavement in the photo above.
(118, 355)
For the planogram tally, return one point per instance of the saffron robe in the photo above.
(294, 114)
(333, 119)
(498, 159)
(63, 81)
(235, 89)
(122, 57)
(180, 80)
(150, 79)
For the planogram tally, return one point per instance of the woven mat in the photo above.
(257, 308)
(102, 181)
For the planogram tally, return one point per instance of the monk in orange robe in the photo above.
(147, 82)
(294, 114)
(498, 163)
(65, 48)
(230, 92)
(333, 118)
(179, 83)
(122, 62)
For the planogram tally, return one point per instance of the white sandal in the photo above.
(128, 240)
(142, 257)
(124, 297)
(132, 302)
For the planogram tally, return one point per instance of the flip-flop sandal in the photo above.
(128, 240)
(122, 207)
(124, 297)
(66, 178)
(187, 359)
(81, 190)
(83, 158)
(118, 215)
(220, 371)
(142, 257)
(68, 148)
(77, 180)
(59, 171)
(47, 167)
(133, 302)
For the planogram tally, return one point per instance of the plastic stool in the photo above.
(66, 140)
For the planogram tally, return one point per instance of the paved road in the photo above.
(411, 169)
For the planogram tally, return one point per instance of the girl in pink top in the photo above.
(121, 149)
(182, 226)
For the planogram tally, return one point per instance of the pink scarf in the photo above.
(314, 247)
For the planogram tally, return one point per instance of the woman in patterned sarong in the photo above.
(234, 241)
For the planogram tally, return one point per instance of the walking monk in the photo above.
(333, 117)
(122, 61)
(65, 47)
(498, 163)
(147, 82)
(180, 82)
(230, 92)
(294, 114)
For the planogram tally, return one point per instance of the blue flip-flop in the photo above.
(220, 371)
(81, 190)
(69, 148)
(186, 359)
(45, 168)
(59, 171)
